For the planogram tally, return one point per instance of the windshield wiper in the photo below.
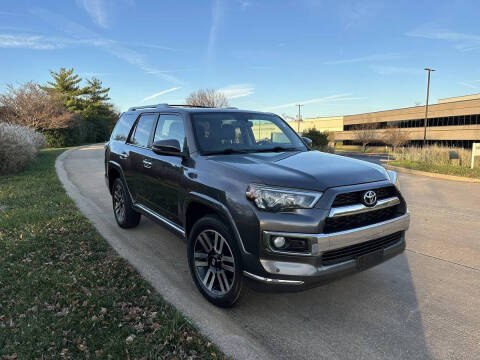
(277, 149)
(226, 152)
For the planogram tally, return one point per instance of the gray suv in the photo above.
(254, 202)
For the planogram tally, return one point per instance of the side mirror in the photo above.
(167, 147)
(307, 141)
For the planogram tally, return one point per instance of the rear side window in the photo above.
(143, 130)
(122, 129)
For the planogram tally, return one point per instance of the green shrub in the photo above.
(18, 145)
(85, 132)
(61, 137)
(319, 139)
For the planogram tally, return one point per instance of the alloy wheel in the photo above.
(214, 262)
(119, 205)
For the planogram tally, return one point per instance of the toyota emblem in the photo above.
(369, 198)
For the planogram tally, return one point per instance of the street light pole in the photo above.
(426, 108)
(299, 117)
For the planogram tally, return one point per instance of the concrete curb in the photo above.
(359, 153)
(213, 322)
(432, 175)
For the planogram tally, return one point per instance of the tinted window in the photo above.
(122, 129)
(143, 130)
(169, 127)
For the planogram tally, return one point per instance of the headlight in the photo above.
(394, 178)
(281, 199)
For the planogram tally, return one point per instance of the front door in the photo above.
(165, 190)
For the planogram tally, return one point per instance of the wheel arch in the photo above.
(198, 205)
(114, 171)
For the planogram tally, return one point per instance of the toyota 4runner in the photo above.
(252, 199)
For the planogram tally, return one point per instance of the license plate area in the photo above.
(369, 260)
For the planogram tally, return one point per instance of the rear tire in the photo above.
(125, 215)
(215, 261)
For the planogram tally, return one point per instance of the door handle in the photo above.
(147, 163)
(123, 155)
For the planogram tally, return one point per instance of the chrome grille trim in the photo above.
(360, 208)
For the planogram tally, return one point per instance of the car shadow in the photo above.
(373, 314)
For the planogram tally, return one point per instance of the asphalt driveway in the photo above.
(422, 304)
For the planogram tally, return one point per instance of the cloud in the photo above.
(472, 84)
(244, 4)
(368, 58)
(331, 98)
(97, 10)
(35, 42)
(94, 74)
(356, 13)
(461, 41)
(237, 91)
(163, 92)
(79, 34)
(390, 70)
(217, 15)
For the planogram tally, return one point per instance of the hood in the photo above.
(313, 170)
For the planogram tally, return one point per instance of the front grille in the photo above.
(351, 252)
(352, 198)
(363, 219)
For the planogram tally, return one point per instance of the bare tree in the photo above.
(288, 117)
(365, 134)
(31, 106)
(207, 98)
(395, 137)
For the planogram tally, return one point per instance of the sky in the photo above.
(333, 57)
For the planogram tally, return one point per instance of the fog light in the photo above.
(279, 241)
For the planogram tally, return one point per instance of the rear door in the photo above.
(139, 157)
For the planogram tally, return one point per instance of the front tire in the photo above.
(125, 215)
(215, 262)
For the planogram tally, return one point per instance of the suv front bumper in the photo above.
(307, 270)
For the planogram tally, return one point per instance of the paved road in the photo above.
(375, 158)
(422, 304)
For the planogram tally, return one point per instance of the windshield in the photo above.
(228, 132)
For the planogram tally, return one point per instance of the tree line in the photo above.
(66, 110)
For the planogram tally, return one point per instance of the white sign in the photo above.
(475, 151)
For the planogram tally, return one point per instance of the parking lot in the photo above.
(424, 303)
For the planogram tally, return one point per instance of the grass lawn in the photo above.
(440, 169)
(64, 293)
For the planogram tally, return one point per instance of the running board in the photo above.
(163, 220)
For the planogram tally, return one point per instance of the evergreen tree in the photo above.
(89, 101)
(97, 110)
(94, 92)
(65, 85)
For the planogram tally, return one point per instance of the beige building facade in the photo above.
(452, 121)
(330, 124)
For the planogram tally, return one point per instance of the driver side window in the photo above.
(170, 126)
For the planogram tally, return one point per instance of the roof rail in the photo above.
(156, 106)
(160, 106)
(191, 106)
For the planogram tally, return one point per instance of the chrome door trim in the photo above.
(164, 220)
